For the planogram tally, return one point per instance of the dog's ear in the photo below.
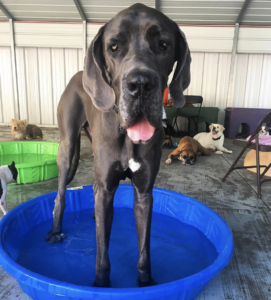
(210, 127)
(222, 128)
(95, 81)
(25, 121)
(181, 77)
(13, 164)
(12, 120)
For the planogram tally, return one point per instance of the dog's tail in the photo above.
(75, 160)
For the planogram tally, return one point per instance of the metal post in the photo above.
(84, 38)
(233, 59)
(14, 71)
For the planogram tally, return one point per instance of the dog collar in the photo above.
(217, 138)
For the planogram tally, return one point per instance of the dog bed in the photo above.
(263, 140)
(190, 244)
(34, 160)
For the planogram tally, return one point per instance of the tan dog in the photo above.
(214, 139)
(20, 129)
(187, 151)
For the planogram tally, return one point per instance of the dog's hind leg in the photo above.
(71, 118)
(64, 158)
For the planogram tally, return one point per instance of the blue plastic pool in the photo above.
(190, 244)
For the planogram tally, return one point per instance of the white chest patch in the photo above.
(133, 165)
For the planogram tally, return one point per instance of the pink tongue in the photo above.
(213, 132)
(142, 130)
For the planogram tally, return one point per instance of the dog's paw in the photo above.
(168, 161)
(151, 282)
(229, 151)
(52, 238)
(219, 152)
(107, 284)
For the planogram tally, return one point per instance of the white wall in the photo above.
(43, 72)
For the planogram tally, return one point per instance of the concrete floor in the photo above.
(248, 275)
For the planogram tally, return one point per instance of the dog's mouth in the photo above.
(142, 130)
(214, 132)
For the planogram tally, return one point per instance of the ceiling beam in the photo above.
(242, 11)
(6, 12)
(80, 10)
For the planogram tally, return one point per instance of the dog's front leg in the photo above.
(221, 148)
(143, 215)
(103, 218)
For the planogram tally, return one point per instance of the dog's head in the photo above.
(128, 64)
(18, 125)
(265, 130)
(187, 157)
(216, 130)
(14, 172)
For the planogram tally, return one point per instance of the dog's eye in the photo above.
(191, 157)
(184, 157)
(114, 48)
(163, 45)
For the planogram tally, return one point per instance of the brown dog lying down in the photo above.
(187, 151)
(20, 129)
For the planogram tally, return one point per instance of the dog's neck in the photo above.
(217, 138)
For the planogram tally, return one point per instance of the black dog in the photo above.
(118, 101)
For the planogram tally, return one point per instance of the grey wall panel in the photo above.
(4, 34)
(7, 111)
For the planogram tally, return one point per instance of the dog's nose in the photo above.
(14, 127)
(140, 84)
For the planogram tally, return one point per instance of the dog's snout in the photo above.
(140, 83)
(15, 127)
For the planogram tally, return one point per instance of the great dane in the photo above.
(117, 99)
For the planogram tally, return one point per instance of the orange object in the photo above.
(165, 96)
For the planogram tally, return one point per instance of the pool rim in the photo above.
(33, 279)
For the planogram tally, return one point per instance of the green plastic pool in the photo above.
(35, 160)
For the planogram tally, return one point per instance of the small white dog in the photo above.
(8, 174)
(214, 139)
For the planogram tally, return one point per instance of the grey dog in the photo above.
(117, 99)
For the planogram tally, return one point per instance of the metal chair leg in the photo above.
(258, 167)
(234, 164)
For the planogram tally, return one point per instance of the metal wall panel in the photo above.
(265, 89)
(195, 87)
(253, 80)
(254, 40)
(22, 83)
(48, 35)
(240, 75)
(4, 34)
(43, 74)
(7, 111)
(209, 39)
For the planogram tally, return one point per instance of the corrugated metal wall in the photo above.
(43, 72)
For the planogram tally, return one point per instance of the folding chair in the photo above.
(194, 117)
(256, 146)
